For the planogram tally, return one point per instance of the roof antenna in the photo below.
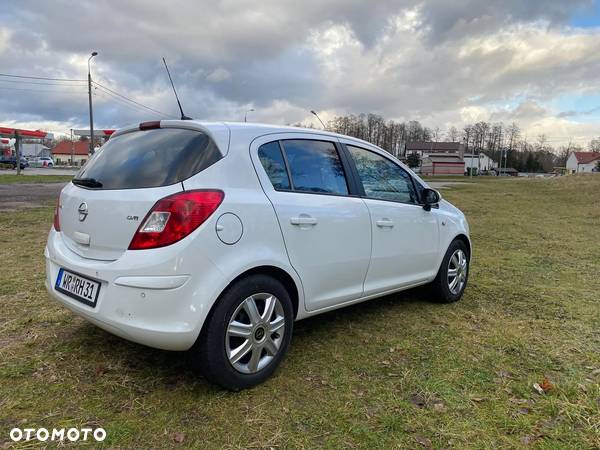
(183, 116)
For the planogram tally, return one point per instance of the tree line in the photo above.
(497, 140)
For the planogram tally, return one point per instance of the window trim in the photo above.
(285, 163)
(362, 188)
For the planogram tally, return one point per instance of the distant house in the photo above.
(63, 151)
(582, 162)
(481, 162)
(424, 149)
(442, 164)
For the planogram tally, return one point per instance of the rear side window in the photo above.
(315, 166)
(152, 158)
(272, 160)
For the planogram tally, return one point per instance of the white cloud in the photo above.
(219, 74)
(439, 62)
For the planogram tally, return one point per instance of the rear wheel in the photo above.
(247, 334)
(451, 280)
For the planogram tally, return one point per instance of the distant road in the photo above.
(45, 171)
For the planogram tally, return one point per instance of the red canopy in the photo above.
(28, 133)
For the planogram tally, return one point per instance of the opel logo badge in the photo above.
(83, 211)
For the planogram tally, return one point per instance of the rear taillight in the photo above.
(56, 215)
(174, 217)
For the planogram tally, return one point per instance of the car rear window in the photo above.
(152, 158)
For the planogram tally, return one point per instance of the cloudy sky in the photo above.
(441, 62)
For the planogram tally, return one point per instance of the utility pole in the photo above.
(471, 168)
(90, 99)
(72, 147)
(246, 115)
(18, 152)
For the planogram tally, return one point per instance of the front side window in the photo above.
(382, 179)
(315, 166)
(272, 160)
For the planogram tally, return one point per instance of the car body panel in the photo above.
(321, 248)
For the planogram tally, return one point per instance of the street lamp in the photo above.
(90, 98)
(246, 115)
(317, 116)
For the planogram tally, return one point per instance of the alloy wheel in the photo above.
(457, 271)
(255, 333)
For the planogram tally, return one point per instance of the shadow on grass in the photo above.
(169, 369)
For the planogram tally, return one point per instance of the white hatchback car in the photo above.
(216, 237)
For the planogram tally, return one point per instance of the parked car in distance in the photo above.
(216, 237)
(12, 160)
(45, 161)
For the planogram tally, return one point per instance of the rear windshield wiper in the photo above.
(87, 182)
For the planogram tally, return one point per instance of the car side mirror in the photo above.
(430, 197)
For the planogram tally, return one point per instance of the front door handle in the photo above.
(385, 223)
(303, 219)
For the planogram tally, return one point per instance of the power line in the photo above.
(130, 100)
(55, 91)
(39, 78)
(44, 83)
(121, 102)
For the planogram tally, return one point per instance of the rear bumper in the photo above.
(148, 296)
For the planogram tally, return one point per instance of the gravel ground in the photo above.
(17, 196)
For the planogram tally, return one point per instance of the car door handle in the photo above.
(385, 223)
(303, 220)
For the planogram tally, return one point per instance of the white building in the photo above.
(481, 162)
(579, 162)
(31, 150)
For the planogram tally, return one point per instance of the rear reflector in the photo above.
(56, 215)
(174, 217)
(150, 125)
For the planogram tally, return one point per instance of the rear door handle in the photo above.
(303, 219)
(385, 223)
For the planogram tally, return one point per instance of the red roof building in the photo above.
(63, 150)
(583, 162)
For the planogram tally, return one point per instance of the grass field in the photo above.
(26, 179)
(399, 372)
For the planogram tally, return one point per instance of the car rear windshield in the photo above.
(145, 159)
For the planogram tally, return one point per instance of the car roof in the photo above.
(264, 128)
(221, 133)
(252, 130)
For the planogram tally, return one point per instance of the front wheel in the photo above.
(451, 280)
(247, 334)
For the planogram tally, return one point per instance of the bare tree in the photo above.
(452, 134)
(594, 145)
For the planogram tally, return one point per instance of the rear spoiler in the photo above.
(219, 132)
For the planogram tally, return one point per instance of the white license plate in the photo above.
(78, 287)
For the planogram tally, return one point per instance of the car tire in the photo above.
(229, 331)
(453, 275)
